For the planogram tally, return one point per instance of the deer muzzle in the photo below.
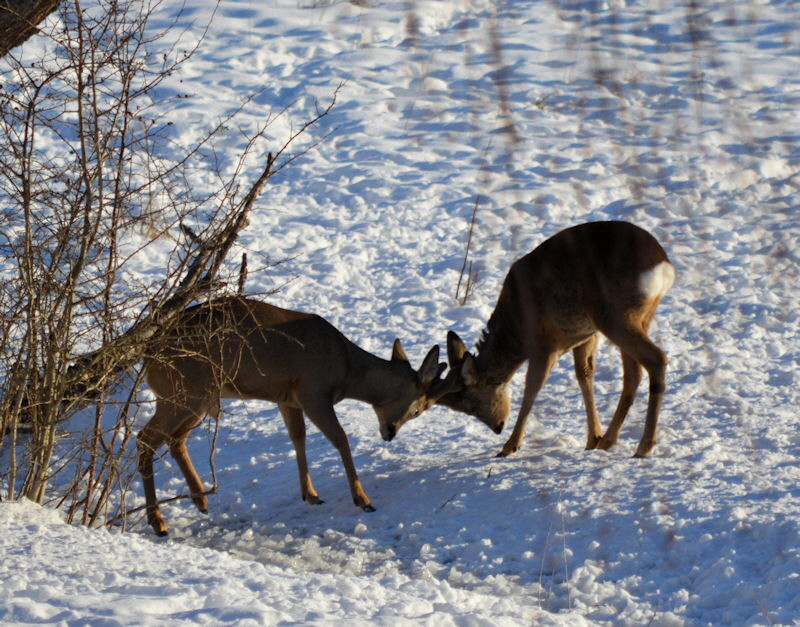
(388, 432)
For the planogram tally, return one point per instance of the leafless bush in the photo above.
(88, 183)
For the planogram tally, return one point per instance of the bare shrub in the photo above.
(89, 182)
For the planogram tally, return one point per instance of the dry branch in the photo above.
(93, 373)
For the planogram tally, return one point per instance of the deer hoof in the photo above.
(593, 443)
(162, 534)
(508, 451)
(368, 508)
(606, 443)
(644, 448)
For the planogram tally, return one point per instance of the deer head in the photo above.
(409, 401)
(467, 390)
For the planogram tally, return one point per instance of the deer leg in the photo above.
(656, 370)
(180, 454)
(638, 346)
(296, 425)
(538, 369)
(324, 418)
(631, 376)
(153, 434)
(147, 442)
(584, 356)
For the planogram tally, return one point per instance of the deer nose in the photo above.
(388, 433)
(499, 428)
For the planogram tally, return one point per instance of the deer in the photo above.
(597, 277)
(239, 347)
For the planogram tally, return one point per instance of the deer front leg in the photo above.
(296, 425)
(584, 356)
(538, 369)
(324, 418)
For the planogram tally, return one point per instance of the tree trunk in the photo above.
(19, 19)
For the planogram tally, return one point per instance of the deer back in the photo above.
(245, 348)
(579, 281)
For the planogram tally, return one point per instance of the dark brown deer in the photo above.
(244, 348)
(599, 277)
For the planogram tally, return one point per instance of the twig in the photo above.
(242, 274)
(442, 506)
(177, 497)
(466, 251)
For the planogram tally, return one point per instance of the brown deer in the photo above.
(242, 348)
(605, 277)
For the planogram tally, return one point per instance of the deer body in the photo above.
(599, 277)
(244, 348)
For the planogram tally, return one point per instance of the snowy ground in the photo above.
(681, 120)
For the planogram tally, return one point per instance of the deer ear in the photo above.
(429, 370)
(398, 354)
(469, 370)
(455, 348)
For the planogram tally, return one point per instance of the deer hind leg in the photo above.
(148, 440)
(631, 377)
(584, 356)
(179, 452)
(637, 346)
(324, 418)
(296, 425)
(170, 422)
(539, 368)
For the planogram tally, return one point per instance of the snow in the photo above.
(57, 573)
(590, 110)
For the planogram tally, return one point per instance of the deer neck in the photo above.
(500, 352)
(370, 378)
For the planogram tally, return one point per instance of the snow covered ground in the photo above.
(678, 116)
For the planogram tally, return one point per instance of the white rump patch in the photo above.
(655, 282)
